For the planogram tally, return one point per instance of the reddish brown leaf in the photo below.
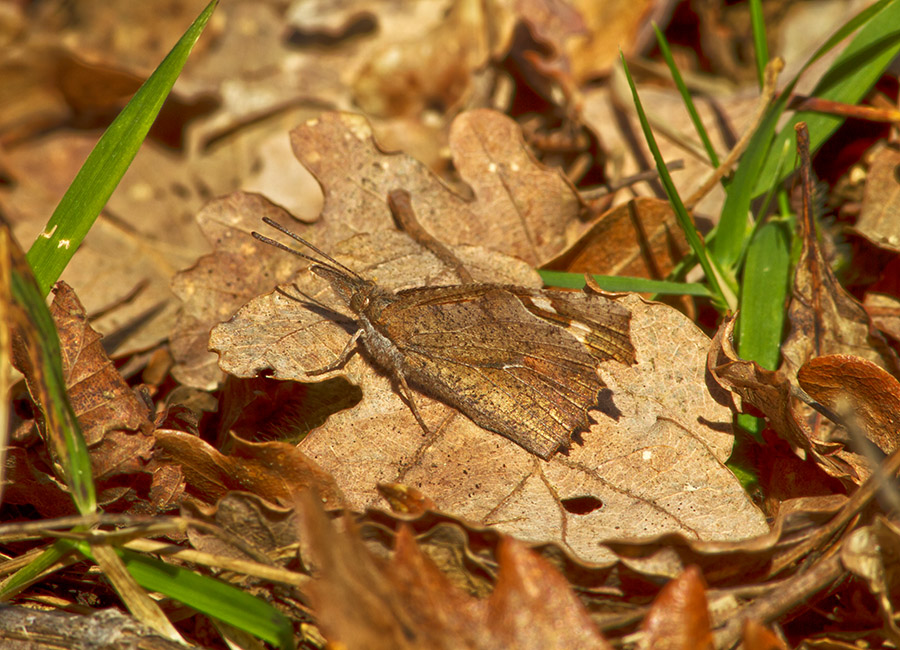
(639, 238)
(756, 636)
(102, 400)
(275, 471)
(409, 603)
(768, 391)
(857, 388)
(679, 616)
(533, 606)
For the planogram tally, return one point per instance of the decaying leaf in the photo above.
(408, 603)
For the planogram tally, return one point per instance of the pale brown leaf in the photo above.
(879, 218)
(656, 465)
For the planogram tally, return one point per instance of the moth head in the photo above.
(355, 291)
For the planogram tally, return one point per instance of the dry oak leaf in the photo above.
(857, 388)
(219, 283)
(656, 465)
(771, 393)
(361, 602)
(520, 207)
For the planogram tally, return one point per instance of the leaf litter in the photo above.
(642, 497)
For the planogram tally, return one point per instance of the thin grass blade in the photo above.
(107, 163)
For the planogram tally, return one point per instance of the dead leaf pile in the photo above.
(186, 343)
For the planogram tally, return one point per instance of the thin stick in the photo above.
(774, 67)
(400, 203)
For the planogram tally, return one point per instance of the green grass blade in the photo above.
(686, 97)
(760, 46)
(29, 573)
(208, 596)
(105, 166)
(848, 80)
(763, 293)
(723, 295)
(764, 165)
(565, 280)
(40, 350)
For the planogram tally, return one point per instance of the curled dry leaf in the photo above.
(825, 319)
(857, 388)
(115, 423)
(679, 616)
(274, 471)
(770, 392)
(409, 603)
(654, 461)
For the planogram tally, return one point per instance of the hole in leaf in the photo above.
(583, 505)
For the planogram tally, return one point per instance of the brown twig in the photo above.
(774, 67)
(400, 203)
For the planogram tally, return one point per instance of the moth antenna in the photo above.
(305, 296)
(328, 258)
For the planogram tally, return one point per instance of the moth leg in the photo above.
(407, 395)
(343, 357)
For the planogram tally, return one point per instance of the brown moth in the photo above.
(517, 361)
